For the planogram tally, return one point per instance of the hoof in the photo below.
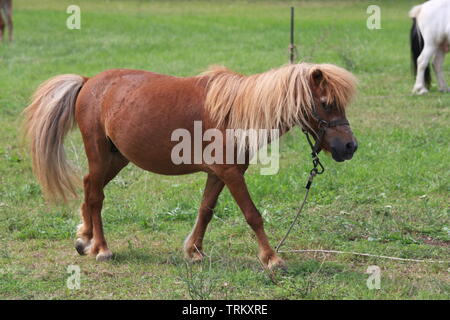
(193, 254)
(277, 264)
(104, 256)
(196, 257)
(82, 246)
(445, 90)
(274, 262)
(420, 91)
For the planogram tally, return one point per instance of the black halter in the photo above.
(315, 148)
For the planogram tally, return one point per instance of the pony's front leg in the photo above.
(194, 242)
(234, 180)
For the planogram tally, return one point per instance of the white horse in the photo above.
(430, 37)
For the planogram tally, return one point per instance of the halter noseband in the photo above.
(315, 148)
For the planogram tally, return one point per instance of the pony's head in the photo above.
(332, 89)
(308, 95)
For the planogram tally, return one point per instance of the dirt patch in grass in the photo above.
(434, 242)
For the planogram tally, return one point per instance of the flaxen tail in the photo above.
(48, 119)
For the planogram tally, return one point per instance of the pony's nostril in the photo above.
(351, 147)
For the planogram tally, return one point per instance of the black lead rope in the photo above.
(318, 168)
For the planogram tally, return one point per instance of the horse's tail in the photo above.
(48, 118)
(417, 44)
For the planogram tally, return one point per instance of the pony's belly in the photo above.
(151, 151)
(159, 162)
(167, 170)
(445, 47)
(148, 144)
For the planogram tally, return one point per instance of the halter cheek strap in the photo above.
(315, 148)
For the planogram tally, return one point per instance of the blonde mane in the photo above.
(277, 99)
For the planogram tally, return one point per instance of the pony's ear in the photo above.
(316, 77)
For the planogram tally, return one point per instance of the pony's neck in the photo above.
(276, 99)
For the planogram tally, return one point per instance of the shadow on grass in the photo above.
(326, 271)
(143, 256)
(315, 279)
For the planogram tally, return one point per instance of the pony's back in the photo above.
(433, 18)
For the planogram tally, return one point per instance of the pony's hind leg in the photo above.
(437, 65)
(422, 64)
(8, 8)
(2, 26)
(194, 242)
(84, 231)
(102, 168)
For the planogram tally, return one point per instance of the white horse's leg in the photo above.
(422, 63)
(437, 64)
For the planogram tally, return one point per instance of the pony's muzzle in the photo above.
(341, 151)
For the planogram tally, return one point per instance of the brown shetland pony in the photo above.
(129, 115)
(6, 9)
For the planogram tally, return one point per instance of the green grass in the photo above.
(391, 199)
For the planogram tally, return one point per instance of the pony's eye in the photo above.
(326, 107)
